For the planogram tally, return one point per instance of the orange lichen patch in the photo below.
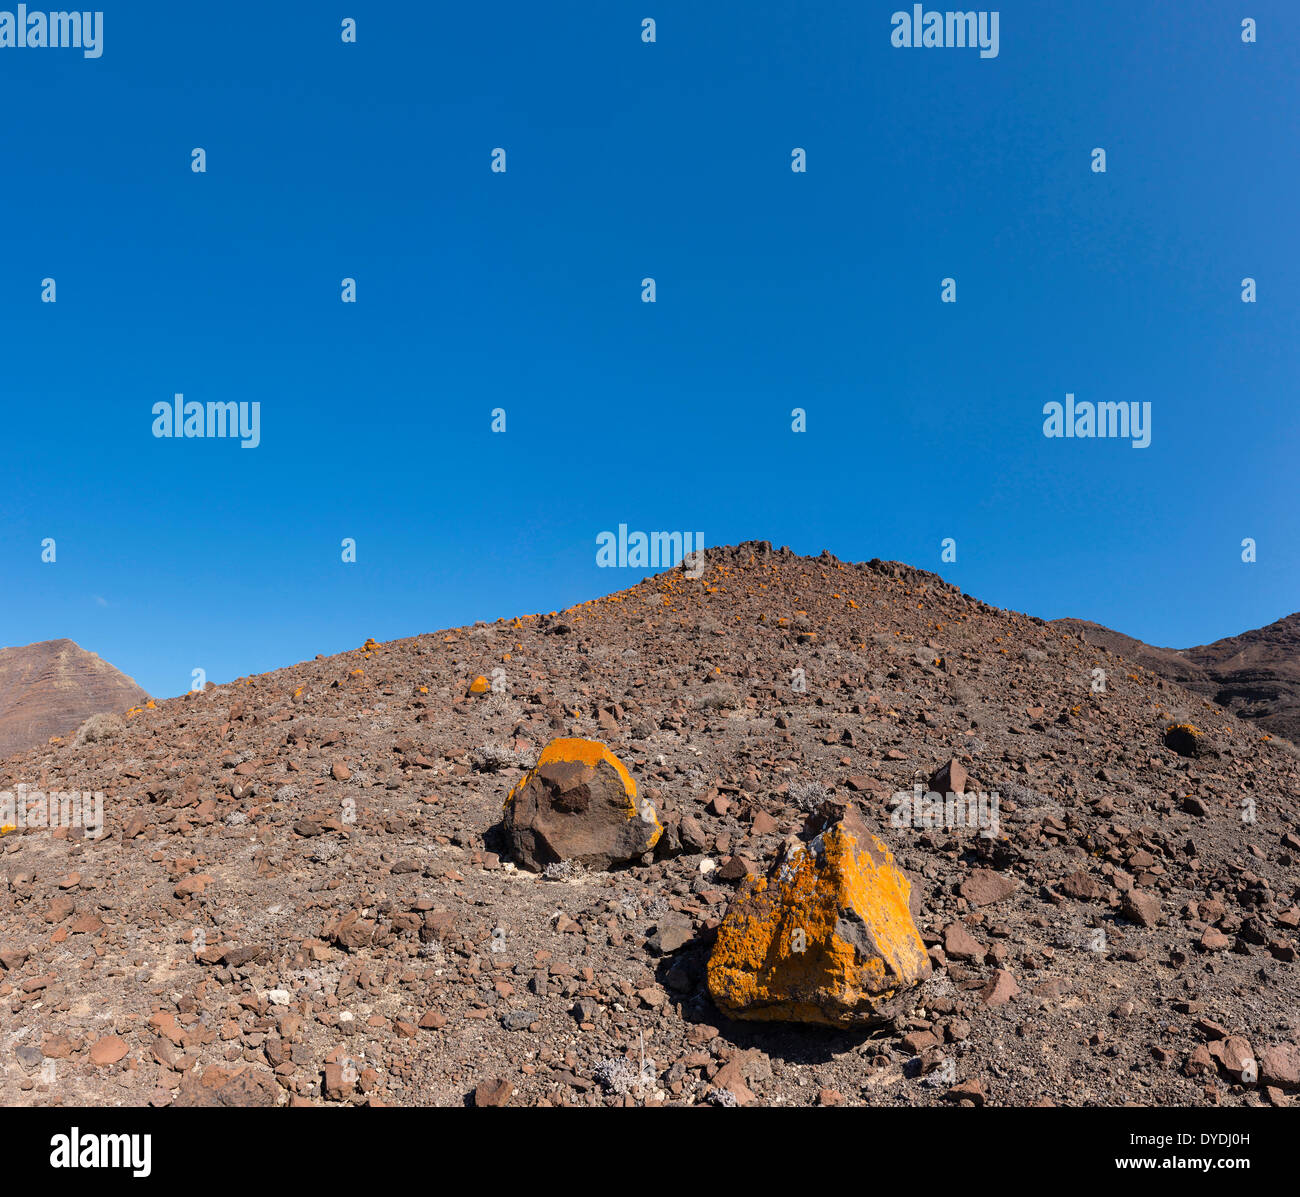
(590, 753)
(575, 751)
(8, 827)
(357, 673)
(826, 938)
(479, 685)
(1183, 727)
(151, 705)
(424, 689)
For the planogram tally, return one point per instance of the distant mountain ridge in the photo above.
(1256, 674)
(51, 687)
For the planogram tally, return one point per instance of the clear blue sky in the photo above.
(522, 290)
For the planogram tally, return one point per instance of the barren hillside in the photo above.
(301, 893)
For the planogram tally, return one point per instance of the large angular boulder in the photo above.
(579, 803)
(826, 937)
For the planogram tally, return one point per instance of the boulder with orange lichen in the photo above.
(579, 803)
(826, 937)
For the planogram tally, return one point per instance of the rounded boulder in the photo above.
(578, 803)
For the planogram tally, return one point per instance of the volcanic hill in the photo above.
(301, 895)
(50, 688)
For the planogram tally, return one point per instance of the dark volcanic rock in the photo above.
(579, 804)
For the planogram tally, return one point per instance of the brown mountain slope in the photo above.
(1167, 662)
(302, 894)
(48, 689)
(1256, 675)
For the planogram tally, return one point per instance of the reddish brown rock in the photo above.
(493, 1093)
(1279, 1064)
(108, 1050)
(950, 779)
(1001, 988)
(1081, 886)
(983, 887)
(1140, 907)
(1214, 940)
(971, 1090)
(959, 944)
(1234, 1053)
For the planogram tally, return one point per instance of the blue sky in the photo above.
(521, 290)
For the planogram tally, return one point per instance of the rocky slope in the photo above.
(301, 894)
(48, 689)
(1256, 675)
